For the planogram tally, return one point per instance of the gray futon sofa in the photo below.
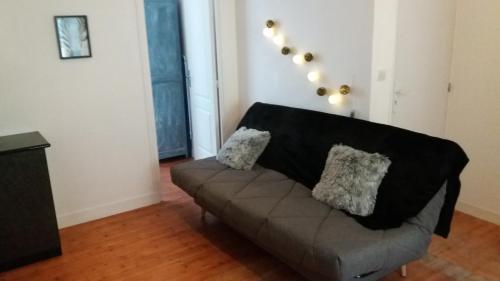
(277, 212)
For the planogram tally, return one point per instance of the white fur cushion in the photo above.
(351, 179)
(243, 148)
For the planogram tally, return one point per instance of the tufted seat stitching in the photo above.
(236, 194)
(313, 245)
(266, 220)
(232, 181)
(211, 177)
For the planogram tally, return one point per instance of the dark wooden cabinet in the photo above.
(28, 225)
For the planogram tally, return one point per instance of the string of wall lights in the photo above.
(334, 96)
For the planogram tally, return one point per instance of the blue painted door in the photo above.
(167, 75)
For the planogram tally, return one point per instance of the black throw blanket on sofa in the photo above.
(421, 164)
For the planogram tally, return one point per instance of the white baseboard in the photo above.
(479, 212)
(106, 210)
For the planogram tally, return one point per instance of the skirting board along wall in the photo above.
(108, 209)
(478, 212)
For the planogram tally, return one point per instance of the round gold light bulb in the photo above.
(308, 57)
(285, 50)
(321, 91)
(270, 23)
(344, 89)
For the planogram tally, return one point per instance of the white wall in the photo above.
(338, 32)
(474, 105)
(227, 56)
(385, 22)
(95, 112)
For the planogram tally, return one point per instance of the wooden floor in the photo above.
(168, 241)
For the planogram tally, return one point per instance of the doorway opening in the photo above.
(182, 59)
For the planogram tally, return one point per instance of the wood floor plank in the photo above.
(168, 241)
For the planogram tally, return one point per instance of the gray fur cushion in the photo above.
(243, 148)
(351, 179)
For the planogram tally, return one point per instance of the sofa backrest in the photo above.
(301, 140)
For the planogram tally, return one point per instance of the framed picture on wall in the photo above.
(73, 37)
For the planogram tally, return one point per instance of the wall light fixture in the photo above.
(336, 98)
(308, 57)
(279, 40)
(313, 76)
(321, 91)
(285, 50)
(269, 30)
(345, 89)
(301, 58)
(298, 59)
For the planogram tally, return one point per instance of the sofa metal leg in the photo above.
(403, 271)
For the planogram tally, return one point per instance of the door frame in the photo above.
(226, 38)
(187, 152)
(385, 30)
(224, 34)
(148, 89)
(215, 58)
(205, 97)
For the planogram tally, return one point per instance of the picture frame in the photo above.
(73, 36)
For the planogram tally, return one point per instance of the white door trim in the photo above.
(148, 90)
(215, 59)
(383, 60)
(226, 38)
(198, 18)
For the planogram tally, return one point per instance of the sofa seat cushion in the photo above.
(191, 175)
(244, 204)
(281, 215)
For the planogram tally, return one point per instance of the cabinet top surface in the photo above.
(22, 142)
